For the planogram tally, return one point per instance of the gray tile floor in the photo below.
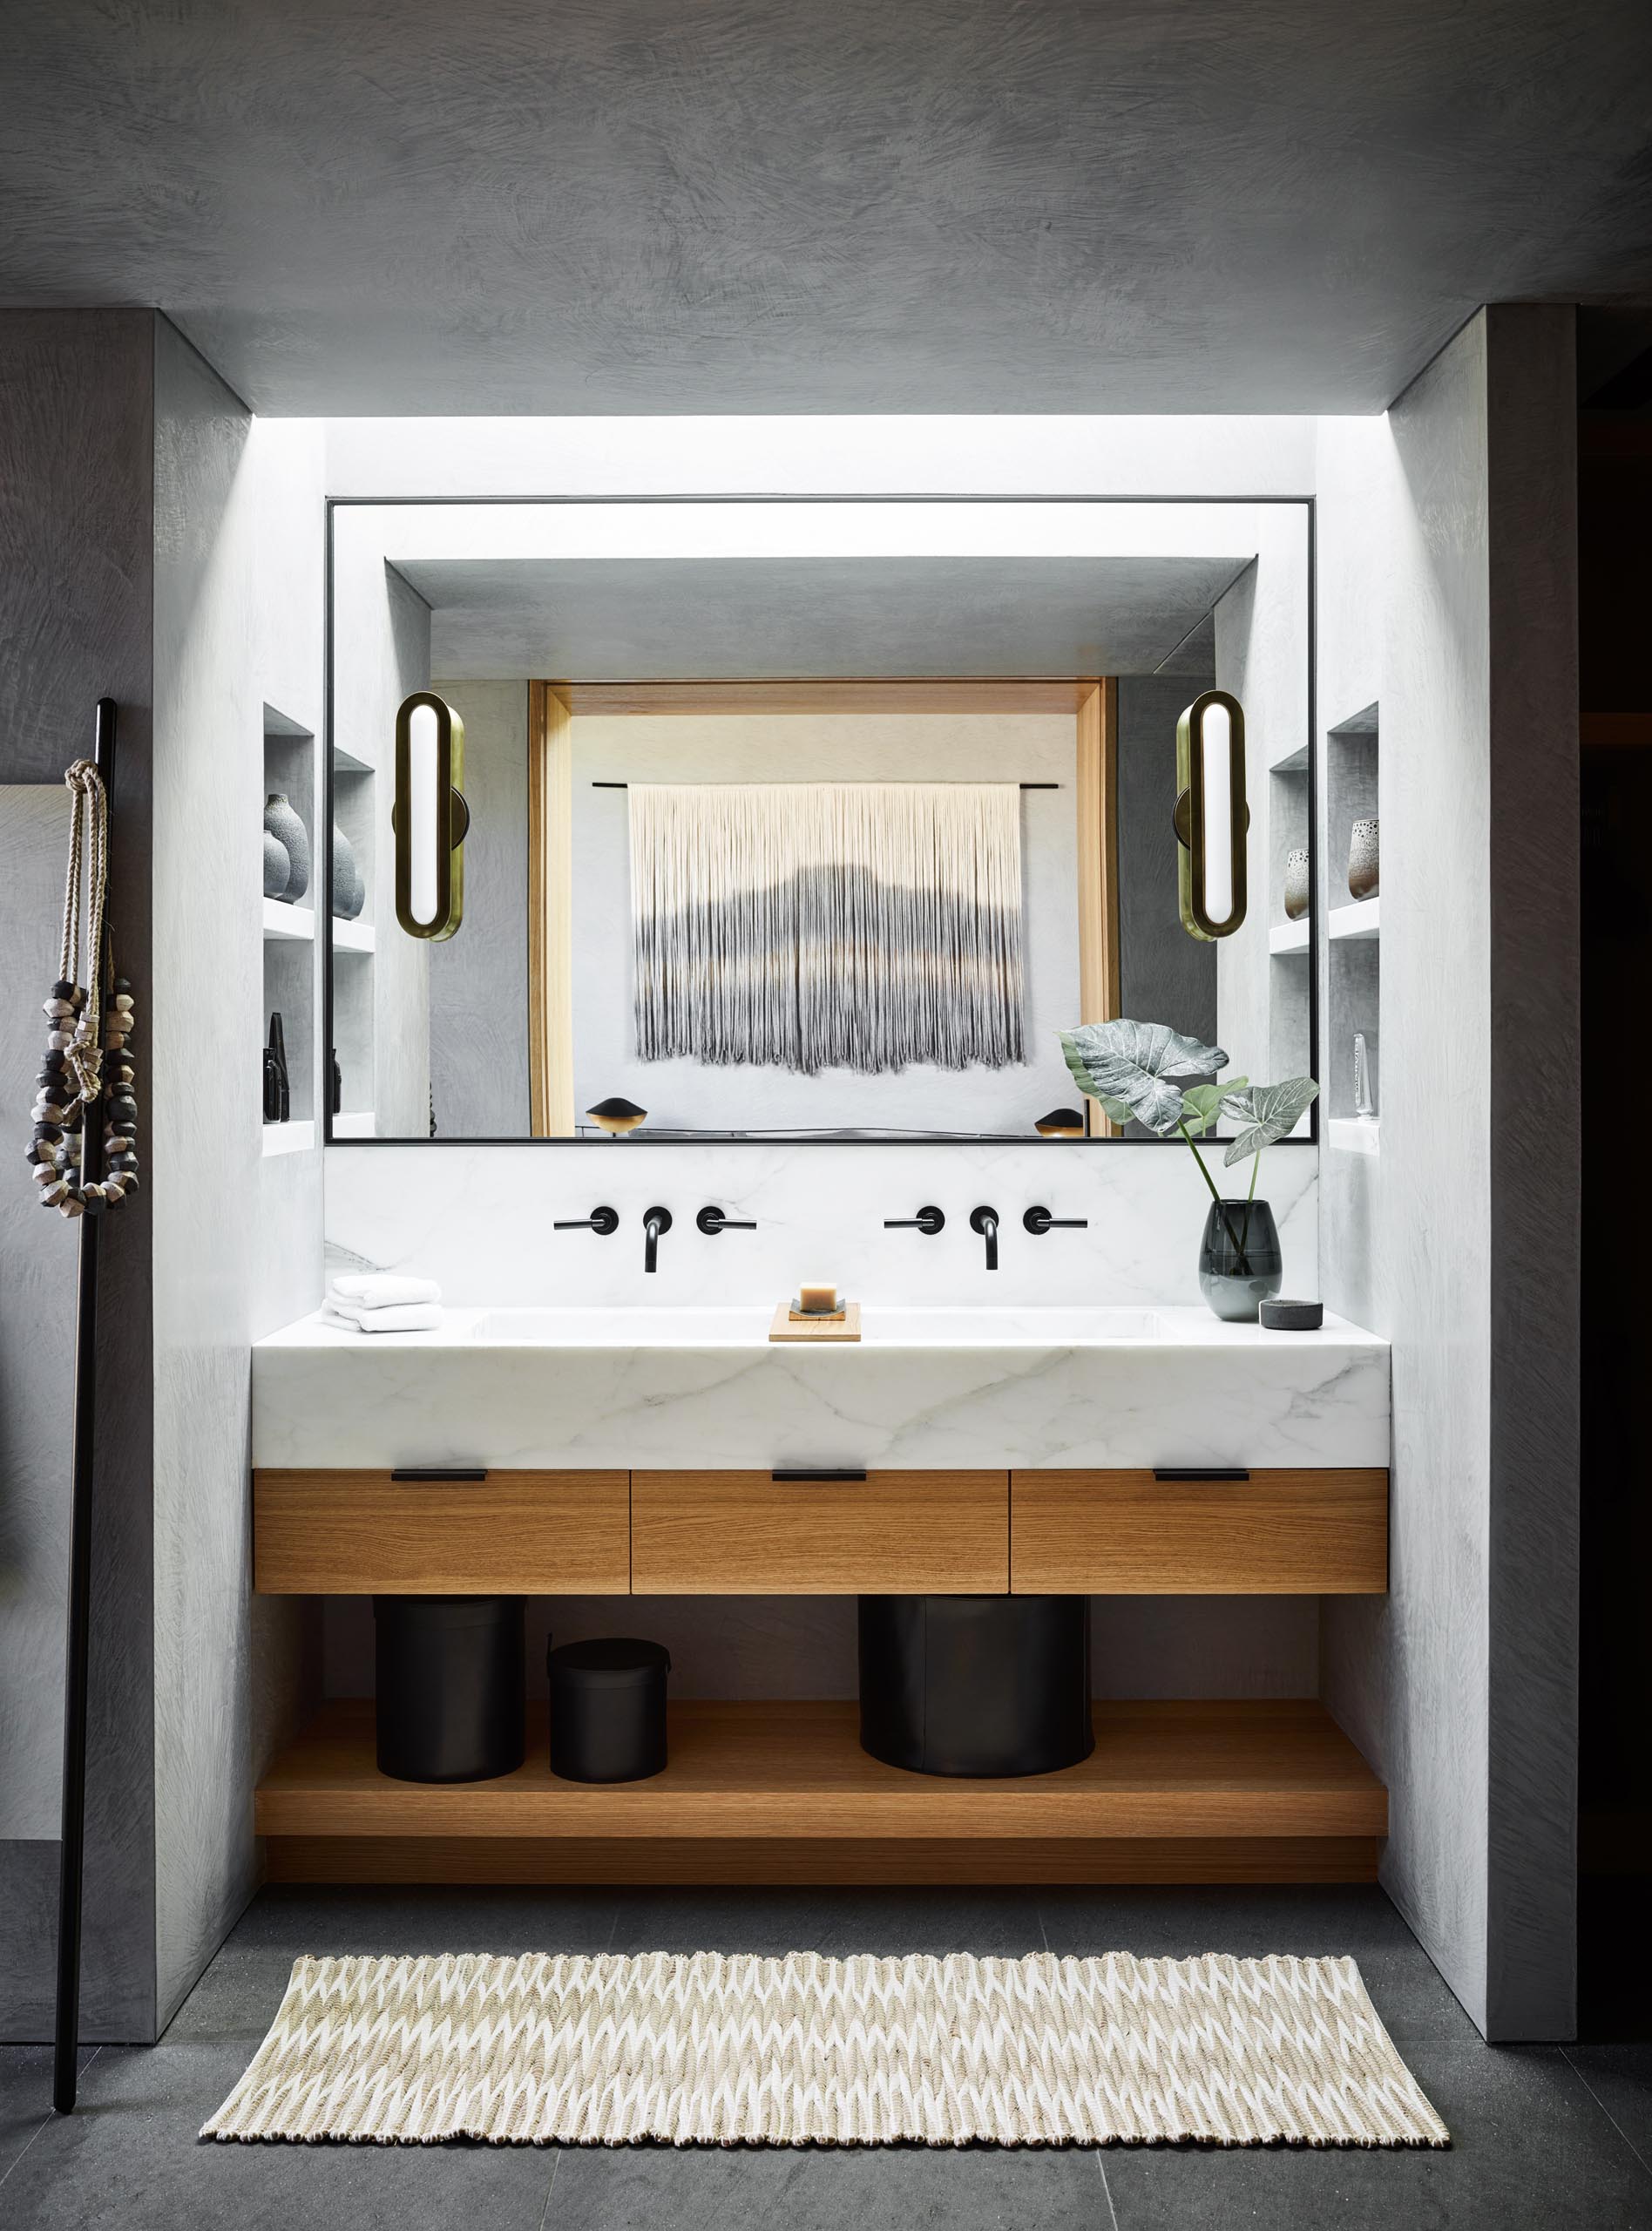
(1542, 2137)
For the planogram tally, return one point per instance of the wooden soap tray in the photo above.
(844, 1326)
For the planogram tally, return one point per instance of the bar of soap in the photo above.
(816, 1300)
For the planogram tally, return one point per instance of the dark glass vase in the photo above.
(1239, 1261)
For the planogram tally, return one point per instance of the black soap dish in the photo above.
(1280, 1315)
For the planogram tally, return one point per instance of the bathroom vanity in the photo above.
(675, 1452)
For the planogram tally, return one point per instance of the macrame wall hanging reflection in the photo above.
(89, 1019)
(818, 925)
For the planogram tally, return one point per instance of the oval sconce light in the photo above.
(1212, 818)
(429, 816)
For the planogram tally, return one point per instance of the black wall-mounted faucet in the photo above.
(928, 1221)
(712, 1221)
(657, 1222)
(603, 1221)
(1039, 1221)
(985, 1221)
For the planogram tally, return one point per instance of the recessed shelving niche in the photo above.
(289, 936)
(1354, 931)
(1290, 943)
(355, 790)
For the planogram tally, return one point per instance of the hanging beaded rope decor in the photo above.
(86, 1055)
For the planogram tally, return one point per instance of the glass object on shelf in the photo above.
(1364, 1104)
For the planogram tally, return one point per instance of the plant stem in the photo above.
(1237, 1244)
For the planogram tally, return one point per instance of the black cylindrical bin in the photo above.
(451, 1677)
(976, 1685)
(608, 1709)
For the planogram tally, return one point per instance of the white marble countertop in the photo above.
(925, 1388)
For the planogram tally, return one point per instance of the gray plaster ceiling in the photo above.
(708, 205)
(770, 619)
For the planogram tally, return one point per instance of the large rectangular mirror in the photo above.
(801, 820)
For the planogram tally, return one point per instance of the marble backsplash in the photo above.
(480, 1219)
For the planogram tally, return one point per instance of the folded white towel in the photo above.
(382, 1290)
(399, 1317)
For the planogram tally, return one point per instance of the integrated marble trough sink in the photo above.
(928, 1386)
(747, 1325)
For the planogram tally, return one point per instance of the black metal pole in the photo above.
(66, 2065)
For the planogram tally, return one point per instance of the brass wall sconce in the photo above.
(1212, 820)
(429, 816)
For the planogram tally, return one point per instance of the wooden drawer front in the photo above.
(1277, 1533)
(747, 1534)
(512, 1533)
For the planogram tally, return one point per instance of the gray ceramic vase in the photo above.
(1295, 885)
(1363, 861)
(282, 823)
(278, 867)
(349, 892)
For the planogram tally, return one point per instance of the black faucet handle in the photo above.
(929, 1221)
(599, 1220)
(712, 1221)
(1041, 1220)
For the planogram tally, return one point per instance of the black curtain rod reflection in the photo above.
(1022, 786)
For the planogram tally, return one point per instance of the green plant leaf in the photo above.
(1268, 1114)
(1135, 1067)
(1203, 1103)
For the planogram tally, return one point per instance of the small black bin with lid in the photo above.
(976, 1685)
(608, 1709)
(451, 1676)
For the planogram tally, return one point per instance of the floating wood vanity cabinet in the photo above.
(1266, 1533)
(754, 1534)
(322, 1533)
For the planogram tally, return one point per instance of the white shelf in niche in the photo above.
(346, 761)
(1289, 937)
(289, 1138)
(281, 920)
(1363, 919)
(356, 1124)
(352, 937)
(1356, 1135)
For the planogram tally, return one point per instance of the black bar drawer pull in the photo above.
(1172, 1472)
(795, 1479)
(437, 1475)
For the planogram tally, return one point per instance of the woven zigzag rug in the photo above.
(709, 2049)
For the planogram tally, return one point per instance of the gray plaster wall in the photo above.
(1535, 852)
(1447, 597)
(237, 1239)
(76, 526)
(479, 979)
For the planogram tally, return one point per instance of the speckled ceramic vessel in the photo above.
(1363, 879)
(349, 892)
(278, 867)
(282, 823)
(1295, 885)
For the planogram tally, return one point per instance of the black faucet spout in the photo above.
(985, 1221)
(657, 1222)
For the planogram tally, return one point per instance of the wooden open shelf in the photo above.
(1173, 1792)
